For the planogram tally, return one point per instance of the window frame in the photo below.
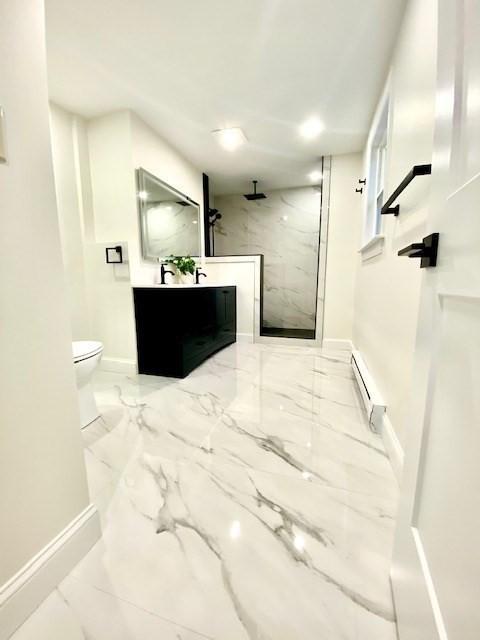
(376, 164)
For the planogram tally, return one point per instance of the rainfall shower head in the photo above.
(254, 195)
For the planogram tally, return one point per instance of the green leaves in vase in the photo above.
(183, 264)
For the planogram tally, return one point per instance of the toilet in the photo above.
(86, 357)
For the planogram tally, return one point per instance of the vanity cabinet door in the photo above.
(230, 297)
(177, 329)
(158, 330)
(201, 326)
(226, 313)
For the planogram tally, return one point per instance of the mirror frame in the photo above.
(141, 175)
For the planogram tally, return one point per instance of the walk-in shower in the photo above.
(285, 227)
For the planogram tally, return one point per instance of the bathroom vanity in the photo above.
(180, 326)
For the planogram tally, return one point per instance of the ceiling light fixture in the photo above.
(143, 195)
(315, 176)
(230, 139)
(311, 128)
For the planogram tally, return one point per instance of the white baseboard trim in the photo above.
(393, 447)
(336, 344)
(25, 591)
(119, 365)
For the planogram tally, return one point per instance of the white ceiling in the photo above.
(190, 66)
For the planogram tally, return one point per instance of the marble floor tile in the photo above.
(248, 501)
(107, 443)
(301, 448)
(181, 540)
(76, 611)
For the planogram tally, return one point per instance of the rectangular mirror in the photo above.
(169, 220)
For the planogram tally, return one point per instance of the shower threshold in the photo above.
(280, 332)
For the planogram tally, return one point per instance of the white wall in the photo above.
(115, 220)
(113, 179)
(100, 298)
(344, 231)
(42, 475)
(387, 287)
(112, 321)
(244, 273)
(70, 216)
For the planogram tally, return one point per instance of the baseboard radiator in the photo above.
(371, 397)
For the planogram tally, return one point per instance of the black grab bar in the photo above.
(417, 170)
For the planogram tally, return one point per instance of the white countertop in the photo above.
(180, 286)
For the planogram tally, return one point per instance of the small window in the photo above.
(377, 157)
(381, 153)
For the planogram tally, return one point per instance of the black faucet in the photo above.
(163, 271)
(199, 273)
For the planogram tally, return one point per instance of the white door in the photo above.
(436, 564)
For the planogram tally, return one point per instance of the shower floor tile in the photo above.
(280, 332)
(246, 501)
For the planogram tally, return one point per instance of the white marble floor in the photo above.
(249, 500)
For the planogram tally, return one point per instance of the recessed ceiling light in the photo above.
(311, 128)
(315, 176)
(230, 139)
(143, 195)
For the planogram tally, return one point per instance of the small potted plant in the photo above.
(184, 267)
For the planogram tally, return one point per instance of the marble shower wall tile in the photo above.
(285, 228)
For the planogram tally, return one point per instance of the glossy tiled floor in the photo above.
(249, 500)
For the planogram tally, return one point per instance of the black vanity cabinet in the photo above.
(180, 327)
